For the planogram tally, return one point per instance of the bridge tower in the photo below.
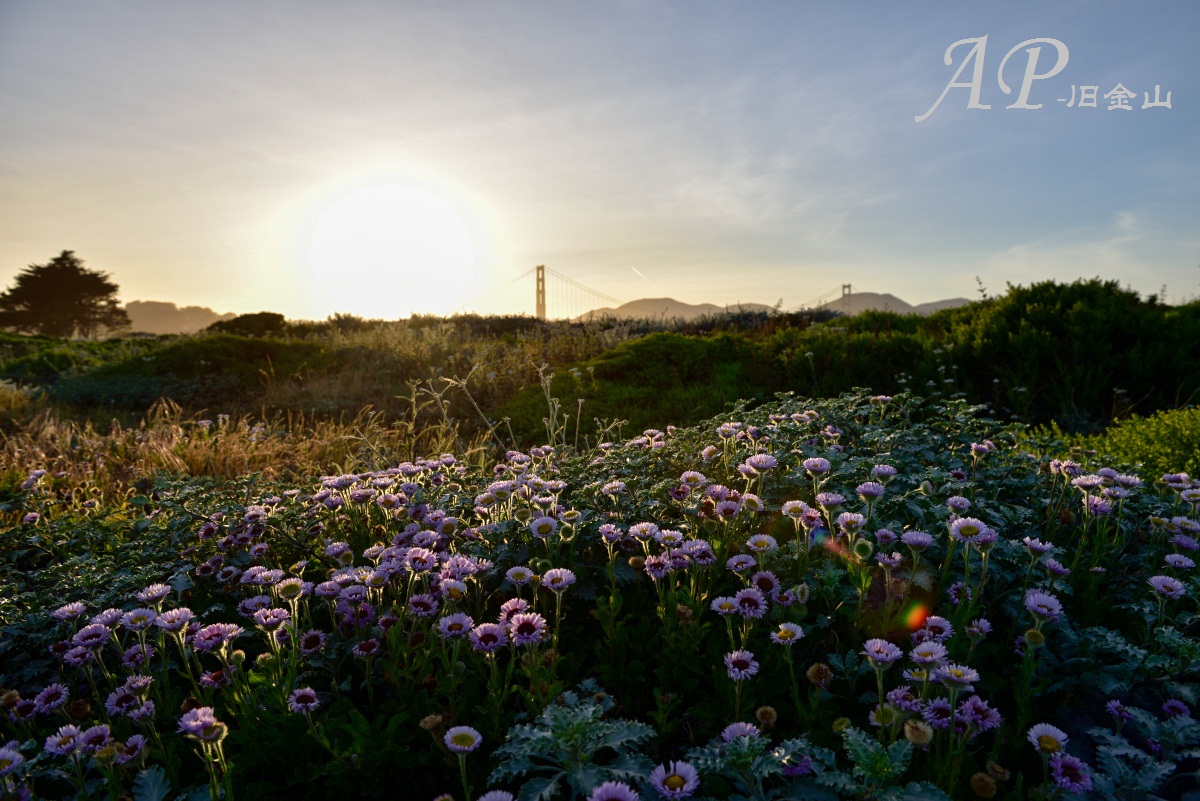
(541, 292)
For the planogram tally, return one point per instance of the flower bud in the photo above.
(820, 674)
(917, 731)
(983, 785)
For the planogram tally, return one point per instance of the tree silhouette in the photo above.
(62, 299)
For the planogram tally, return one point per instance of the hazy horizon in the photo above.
(382, 159)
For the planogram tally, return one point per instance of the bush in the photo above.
(1166, 442)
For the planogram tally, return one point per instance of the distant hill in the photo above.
(669, 308)
(157, 317)
(938, 305)
(856, 302)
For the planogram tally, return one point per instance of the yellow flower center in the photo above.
(784, 634)
(1048, 744)
(674, 782)
(464, 740)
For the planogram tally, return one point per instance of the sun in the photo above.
(391, 250)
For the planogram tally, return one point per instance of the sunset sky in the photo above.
(391, 157)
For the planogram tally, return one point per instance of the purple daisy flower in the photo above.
(303, 700)
(675, 780)
(488, 637)
(174, 619)
(1166, 586)
(528, 628)
(63, 741)
(71, 611)
(558, 579)
(643, 531)
(366, 649)
(937, 713)
(1046, 738)
(215, 635)
(869, 491)
(1036, 547)
(51, 698)
(903, 699)
(751, 603)
(455, 626)
(787, 634)
(1057, 568)
(423, 605)
(724, 605)
(979, 628)
(816, 465)
(976, 711)
(1070, 773)
(462, 739)
(765, 582)
(930, 652)
(741, 665)
(614, 791)
(1175, 708)
(762, 543)
(271, 618)
(883, 472)
(795, 509)
(1118, 710)
(956, 677)
(739, 729)
(880, 652)
(850, 522)
(11, 759)
(312, 642)
(657, 566)
(727, 509)
(511, 607)
(830, 500)
(201, 724)
(93, 739)
(91, 636)
(741, 563)
(966, 529)
(1043, 605)
(916, 540)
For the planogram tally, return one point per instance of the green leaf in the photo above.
(151, 784)
(539, 789)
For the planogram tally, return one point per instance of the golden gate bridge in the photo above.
(557, 296)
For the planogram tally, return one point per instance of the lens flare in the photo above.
(914, 616)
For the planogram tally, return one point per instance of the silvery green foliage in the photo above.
(756, 770)
(877, 771)
(1126, 770)
(570, 745)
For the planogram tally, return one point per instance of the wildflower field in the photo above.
(858, 597)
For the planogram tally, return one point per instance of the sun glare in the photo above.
(388, 251)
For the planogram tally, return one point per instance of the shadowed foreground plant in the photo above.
(570, 741)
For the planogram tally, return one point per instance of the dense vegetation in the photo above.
(266, 588)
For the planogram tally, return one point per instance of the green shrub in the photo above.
(1166, 442)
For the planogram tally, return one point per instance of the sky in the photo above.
(386, 158)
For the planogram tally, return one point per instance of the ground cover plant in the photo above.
(858, 597)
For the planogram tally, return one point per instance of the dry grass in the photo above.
(109, 463)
